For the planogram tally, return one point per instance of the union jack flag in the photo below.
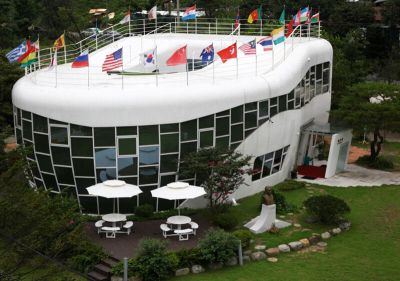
(113, 61)
(249, 48)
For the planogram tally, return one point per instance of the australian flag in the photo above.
(207, 55)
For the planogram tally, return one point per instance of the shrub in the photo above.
(153, 263)
(145, 211)
(218, 246)
(326, 208)
(245, 236)
(290, 185)
(379, 163)
(188, 257)
(225, 221)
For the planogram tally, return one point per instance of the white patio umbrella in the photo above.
(178, 191)
(114, 189)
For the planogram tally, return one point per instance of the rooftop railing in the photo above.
(146, 29)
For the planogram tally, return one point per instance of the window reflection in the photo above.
(105, 157)
(149, 155)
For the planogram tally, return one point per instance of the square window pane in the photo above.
(189, 130)
(206, 122)
(223, 113)
(104, 136)
(105, 174)
(130, 180)
(148, 175)
(257, 167)
(169, 163)
(263, 109)
(169, 143)
(222, 126)
(250, 106)
(290, 105)
(169, 128)
(127, 146)
(26, 115)
(282, 103)
(83, 183)
(319, 72)
(27, 129)
(148, 135)
(83, 167)
(267, 168)
(64, 175)
(59, 135)
(237, 114)
(222, 143)
(187, 148)
(166, 179)
(207, 139)
(77, 130)
(82, 147)
(61, 155)
(275, 169)
(251, 120)
(291, 95)
(44, 162)
(40, 124)
(127, 166)
(149, 155)
(269, 156)
(41, 143)
(50, 182)
(88, 204)
(236, 133)
(105, 157)
(126, 131)
(277, 158)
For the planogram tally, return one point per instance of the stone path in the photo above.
(359, 176)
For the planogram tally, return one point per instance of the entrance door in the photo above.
(342, 157)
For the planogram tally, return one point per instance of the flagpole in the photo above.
(38, 52)
(129, 22)
(156, 66)
(65, 50)
(273, 55)
(256, 55)
(88, 72)
(237, 62)
(187, 72)
(213, 62)
(55, 54)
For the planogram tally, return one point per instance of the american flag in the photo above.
(113, 60)
(249, 48)
(266, 42)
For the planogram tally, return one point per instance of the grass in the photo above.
(390, 150)
(369, 251)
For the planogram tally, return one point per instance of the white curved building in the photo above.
(87, 126)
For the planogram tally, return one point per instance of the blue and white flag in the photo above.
(14, 54)
(207, 55)
(190, 13)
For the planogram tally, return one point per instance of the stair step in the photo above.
(103, 269)
(114, 259)
(109, 262)
(96, 276)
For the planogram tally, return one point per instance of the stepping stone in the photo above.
(272, 252)
(284, 248)
(296, 245)
(272, 260)
(260, 247)
(325, 235)
(257, 256)
(305, 242)
(336, 231)
(322, 244)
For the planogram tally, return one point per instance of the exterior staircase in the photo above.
(102, 271)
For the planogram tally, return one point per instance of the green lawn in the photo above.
(369, 251)
(390, 150)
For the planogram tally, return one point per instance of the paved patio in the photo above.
(126, 245)
(359, 176)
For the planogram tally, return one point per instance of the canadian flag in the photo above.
(179, 57)
(228, 53)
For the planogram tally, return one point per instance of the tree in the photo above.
(370, 107)
(219, 171)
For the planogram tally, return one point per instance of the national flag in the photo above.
(249, 48)
(82, 60)
(304, 14)
(289, 28)
(308, 21)
(254, 15)
(229, 52)
(178, 57)
(127, 17)
(282, 17)
(15, 53)
(207, 55)
(237, 19)
(29, 57)
(315, 18)
(278, 35)
(266, 42)
(113, 60)
(149, 58)
(296, 18)
(152, 15)
(190, 13)
(59, 43)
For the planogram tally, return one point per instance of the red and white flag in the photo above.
(178, 57)
(228, 53)
(152, 13)
(113, 60)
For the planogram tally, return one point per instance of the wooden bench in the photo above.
(183, 233)
(110, 231)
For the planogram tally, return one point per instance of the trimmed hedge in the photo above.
(326, 208)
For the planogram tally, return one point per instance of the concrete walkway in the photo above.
(358, 176)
